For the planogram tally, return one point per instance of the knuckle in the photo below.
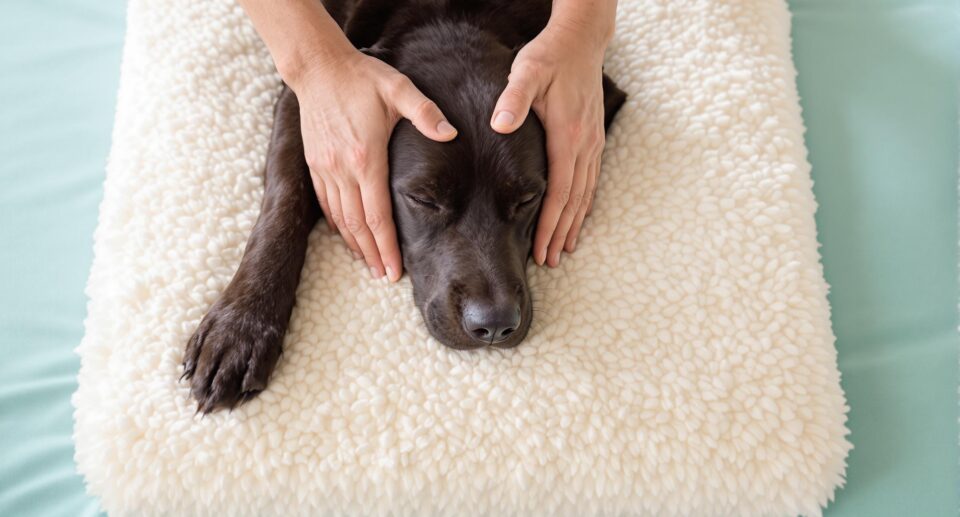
(324, 160)
(395, 85)
(576, 198)
(337, 218)
(359, 156)
(317, 181)
(515, 94)
(574, 130)
(352, 224)
(426, 109)
(561, 194)
(598, 140)
(374, 221)
(527, 68)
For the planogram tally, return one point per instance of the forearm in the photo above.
(590, 19)
(298, 33)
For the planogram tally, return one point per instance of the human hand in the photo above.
(559, 74)
(348, 109)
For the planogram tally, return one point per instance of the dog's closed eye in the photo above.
(423, 202)
(528, 200)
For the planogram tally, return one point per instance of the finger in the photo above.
(354, 218)
(601, 144)
(571, 244)
(414, 106)
(593, 192)
(336, 213)
(379, 219)
(513, 106)
(570, 211)
(321, 191)
(559, 187)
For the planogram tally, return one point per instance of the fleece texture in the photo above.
(681, 362)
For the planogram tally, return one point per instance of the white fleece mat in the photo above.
(681, 362)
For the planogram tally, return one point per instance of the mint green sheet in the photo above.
(59, 69)
(879, 84)
(878, 81)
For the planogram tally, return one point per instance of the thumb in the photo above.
(514, 103)
(414, 106)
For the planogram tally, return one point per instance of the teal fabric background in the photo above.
(879, 84)
(878, 81)
(59, 70)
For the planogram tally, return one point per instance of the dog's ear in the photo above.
(515, 50)
(381, 53)
(613, 99)
(364, 27)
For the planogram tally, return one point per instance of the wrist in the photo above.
(575, 43)
(591, 30)
(306, 60)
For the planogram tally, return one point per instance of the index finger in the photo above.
(375, 195)
(560, 162)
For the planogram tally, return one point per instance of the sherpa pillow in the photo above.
(681, 361)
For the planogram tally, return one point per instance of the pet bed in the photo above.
(681, 362)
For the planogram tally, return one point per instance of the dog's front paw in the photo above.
(231, 355)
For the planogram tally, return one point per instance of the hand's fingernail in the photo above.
(556, 259)
(444, 128)
(356, 254)
(374, 272)
(390, 274)
(504, 119)
(573, 244)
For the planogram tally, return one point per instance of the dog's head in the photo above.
(465, 213)
(466, 210)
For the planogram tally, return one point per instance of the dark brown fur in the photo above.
(465, 210)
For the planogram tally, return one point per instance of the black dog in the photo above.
(465, 210)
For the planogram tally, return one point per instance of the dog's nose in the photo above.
(490, 323)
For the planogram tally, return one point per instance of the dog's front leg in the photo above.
(231, 355)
